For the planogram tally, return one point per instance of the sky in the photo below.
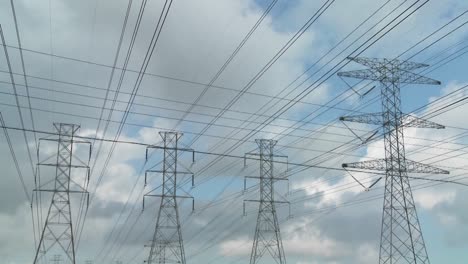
(331, 218)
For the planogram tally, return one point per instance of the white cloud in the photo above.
(367, 253)
(237, 247)
(313, 245)
(428, 199)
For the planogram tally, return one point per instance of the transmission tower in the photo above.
(167, 245)
(57, 236)
(401, 237)
(267, 232)
(56, 259)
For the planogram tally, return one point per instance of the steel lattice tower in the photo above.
(401, 237)
(57, 259)
(57, 235)
(167, 245)
(267, 232)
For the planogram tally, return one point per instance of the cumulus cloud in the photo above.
(429, 199)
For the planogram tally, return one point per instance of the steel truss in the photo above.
(57, 235)
(401, 236)
(167, 245)
(267, 232)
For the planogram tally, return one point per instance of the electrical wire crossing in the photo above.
(401, 236)
(57, 235)
(167, 245)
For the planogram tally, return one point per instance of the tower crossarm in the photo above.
(410, 77)
(380, 165)
(377, 119)
(362, 74)
(417, 167)
(376, 164)
(409, 65)
(379, 63)
(371, 118)
(412, 121)
(369, 62)
(402, 77)
(388, 71)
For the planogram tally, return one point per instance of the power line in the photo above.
(331, 72)
(151, 48)
(127, 13)
(195, 151)
(15, 159)
(36, 181)
(17, 101)
(228, 61)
